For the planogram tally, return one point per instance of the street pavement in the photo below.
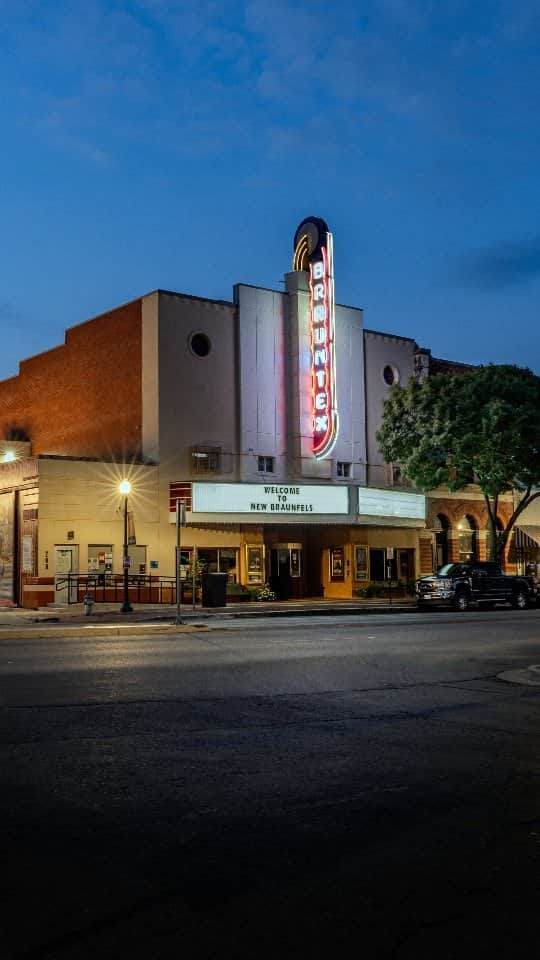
(307, 786)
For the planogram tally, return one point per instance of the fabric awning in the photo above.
(530, 530)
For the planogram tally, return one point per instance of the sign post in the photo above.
(389, 558)
(180, 522)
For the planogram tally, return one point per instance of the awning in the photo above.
(530, 530)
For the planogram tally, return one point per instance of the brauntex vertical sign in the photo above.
(313, 252)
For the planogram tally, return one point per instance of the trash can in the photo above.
(214, 590)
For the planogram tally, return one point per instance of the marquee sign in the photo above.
(313, 251)
(389, 503)
(268, 502)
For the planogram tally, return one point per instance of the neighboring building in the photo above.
(457, 523)
(259, 413)
(525, 548)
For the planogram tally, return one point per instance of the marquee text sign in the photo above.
(386, 503)
(314, 252)
(270, 500)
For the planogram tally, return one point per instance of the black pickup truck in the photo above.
(460, 584)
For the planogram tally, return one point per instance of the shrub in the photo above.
(395, 588)
(265, 593)
(238, 592)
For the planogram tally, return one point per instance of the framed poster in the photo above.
(361, 570)
(255, 563)
(28, 555)
(337, 563)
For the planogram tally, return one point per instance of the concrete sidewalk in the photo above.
(109, 614)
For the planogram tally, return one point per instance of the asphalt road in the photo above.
(297, 787)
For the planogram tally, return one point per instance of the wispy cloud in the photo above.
(10, 315)
(501, 265)
(254, 67)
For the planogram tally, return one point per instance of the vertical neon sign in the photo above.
(314, 251)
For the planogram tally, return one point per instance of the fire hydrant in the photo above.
(88, 604)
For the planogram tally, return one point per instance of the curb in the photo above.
(530, 676)
(84, 630)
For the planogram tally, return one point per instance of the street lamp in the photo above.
(125, 490)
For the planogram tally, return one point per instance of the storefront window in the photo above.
(227, 563)
(440, 527)
(337, 563)
(137, 555)
(296, 562)
(255, 563)
(361, 563)
(219, 560)
(467, 539)
(100, 558)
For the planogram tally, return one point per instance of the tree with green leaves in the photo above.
(481, 427)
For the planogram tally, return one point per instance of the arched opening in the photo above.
(491, 542)
(440, 527)
(467, 539)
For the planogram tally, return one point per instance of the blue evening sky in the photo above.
(178, 143)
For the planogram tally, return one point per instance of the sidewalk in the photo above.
(110, 614)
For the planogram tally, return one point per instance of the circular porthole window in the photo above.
(199, 344)
(390, 375)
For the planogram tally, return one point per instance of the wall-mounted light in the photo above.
(9, 456)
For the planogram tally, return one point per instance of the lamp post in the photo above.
(125, 490)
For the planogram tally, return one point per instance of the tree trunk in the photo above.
(504, 535)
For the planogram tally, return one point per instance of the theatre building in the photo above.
(258, 413)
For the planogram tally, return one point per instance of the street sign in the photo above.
(180, 513)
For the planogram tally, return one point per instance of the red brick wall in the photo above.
(426, 556)
(454, 509)
(83, 398)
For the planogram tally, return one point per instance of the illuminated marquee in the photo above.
(313, 252)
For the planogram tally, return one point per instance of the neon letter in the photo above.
(321, 424)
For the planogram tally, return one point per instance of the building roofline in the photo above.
(256, 286)
(190, 296)
(455, 363)
(395, 336)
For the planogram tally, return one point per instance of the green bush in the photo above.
(265, 593)
(395, 589)
(237, 592)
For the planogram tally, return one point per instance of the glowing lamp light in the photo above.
(125, 487)
(9, 456)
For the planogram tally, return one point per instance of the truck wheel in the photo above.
(461, 601)
(520, 600)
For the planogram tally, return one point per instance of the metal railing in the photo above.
(109, 588)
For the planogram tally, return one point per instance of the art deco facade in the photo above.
(212, 402)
